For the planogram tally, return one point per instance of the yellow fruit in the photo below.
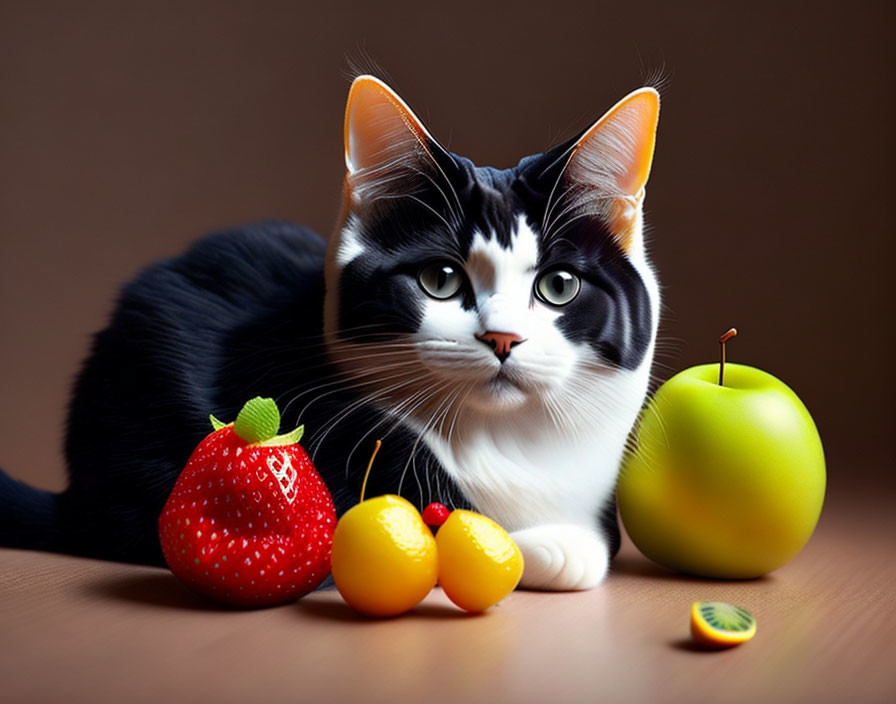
(384, 556)
(715, 624)
(479, 564)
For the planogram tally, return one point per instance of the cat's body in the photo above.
(238, 315)
(438, 320)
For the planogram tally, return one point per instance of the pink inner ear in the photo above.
(620, 145)
(379, 127)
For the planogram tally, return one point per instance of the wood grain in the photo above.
(78, 630)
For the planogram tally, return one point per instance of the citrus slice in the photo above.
(716, 624)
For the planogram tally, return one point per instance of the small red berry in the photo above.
(435, 514)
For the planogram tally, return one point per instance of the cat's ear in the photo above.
(385, 143)
(611, 161)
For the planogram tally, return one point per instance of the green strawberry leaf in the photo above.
(259, 420)
(290, 438)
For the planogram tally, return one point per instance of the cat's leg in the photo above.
(562, 556)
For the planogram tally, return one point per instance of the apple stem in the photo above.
(722, 340)
(379, 444)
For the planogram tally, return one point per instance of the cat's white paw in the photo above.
(562, 557)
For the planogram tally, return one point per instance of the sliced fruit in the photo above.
(717, 624)
(479, 564)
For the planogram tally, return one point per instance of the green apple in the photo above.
(727, 480)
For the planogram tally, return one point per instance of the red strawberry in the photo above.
(249, 521)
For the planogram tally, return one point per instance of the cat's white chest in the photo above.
(525, 481)
(523, 473)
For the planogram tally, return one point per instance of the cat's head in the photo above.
(488, 289)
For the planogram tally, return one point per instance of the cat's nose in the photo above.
(500, 342)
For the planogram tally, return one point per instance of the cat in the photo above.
(495, 328)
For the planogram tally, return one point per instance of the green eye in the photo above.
(440, 280)
(557, 287)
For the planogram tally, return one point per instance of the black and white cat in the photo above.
(495, 327)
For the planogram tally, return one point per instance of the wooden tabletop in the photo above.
(75, 630)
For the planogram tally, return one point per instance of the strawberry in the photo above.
(249, 521)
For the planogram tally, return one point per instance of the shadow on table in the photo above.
(689, 646)
(637, 566)
(162, 590)
(338, 610)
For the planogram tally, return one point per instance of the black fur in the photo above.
(240, 315)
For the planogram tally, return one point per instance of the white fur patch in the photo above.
(350, 246)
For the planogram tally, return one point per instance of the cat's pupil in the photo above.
(440, 281)
(560, 282)
(557, 287)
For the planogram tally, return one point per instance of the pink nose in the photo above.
(500, 342)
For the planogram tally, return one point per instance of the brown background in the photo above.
(126, 132)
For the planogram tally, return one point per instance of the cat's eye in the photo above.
(557, 287)
(441, 280)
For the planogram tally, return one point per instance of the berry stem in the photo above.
(722, 340)
(379, 444)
